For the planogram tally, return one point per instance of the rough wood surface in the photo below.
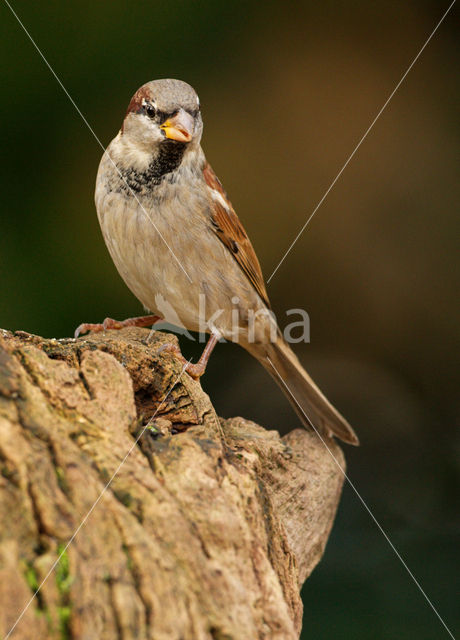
(208, 529)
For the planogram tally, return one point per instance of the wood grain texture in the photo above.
(208, 529)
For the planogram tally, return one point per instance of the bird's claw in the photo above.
(110, 323)
(195, 371)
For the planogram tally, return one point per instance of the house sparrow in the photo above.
(175, 237)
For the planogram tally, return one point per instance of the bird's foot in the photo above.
(110, 323)
(194, 370)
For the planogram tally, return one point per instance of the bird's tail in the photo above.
(310, 404)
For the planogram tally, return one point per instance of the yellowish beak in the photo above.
(179, 127)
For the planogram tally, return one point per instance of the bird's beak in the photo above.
(179, 127)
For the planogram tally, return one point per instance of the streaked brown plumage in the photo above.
(177, 241)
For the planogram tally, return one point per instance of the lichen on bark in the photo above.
(207, 529)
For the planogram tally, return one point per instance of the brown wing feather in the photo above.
(230, 231)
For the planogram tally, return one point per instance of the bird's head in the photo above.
(163, 113)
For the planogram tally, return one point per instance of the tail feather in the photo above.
(311, 405)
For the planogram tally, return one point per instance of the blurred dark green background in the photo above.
(287, 91)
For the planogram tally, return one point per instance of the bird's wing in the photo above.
(228, 228)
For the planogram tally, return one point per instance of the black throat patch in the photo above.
(160, 168)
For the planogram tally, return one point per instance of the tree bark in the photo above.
(206, 531)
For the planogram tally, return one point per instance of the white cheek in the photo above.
(136, 157)
(150, 133)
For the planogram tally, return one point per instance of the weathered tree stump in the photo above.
(208, 529)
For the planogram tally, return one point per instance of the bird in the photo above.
(178, 244)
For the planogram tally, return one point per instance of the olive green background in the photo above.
(287, 90)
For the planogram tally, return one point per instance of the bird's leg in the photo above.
(110, 323)
(194, 370)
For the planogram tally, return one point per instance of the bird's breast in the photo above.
(165, 250)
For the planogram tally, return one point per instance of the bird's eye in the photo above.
(150, 110)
